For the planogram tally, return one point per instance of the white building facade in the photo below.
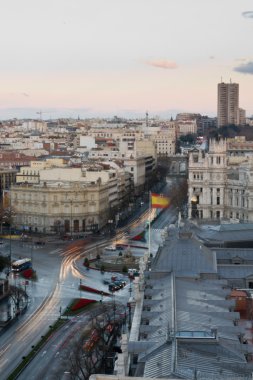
(220, 187)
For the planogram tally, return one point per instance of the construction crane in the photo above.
(42, 112)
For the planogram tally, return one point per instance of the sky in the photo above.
(100, 58)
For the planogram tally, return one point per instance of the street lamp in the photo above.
(71, 216)
(32, 251)
(110, 222)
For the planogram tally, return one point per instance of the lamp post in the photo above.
(71, 217)
(32, 251)
(110, 222)
(10, 245)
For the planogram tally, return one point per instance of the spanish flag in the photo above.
(159, 201)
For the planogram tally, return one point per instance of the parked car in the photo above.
(120, 283)
(40, 242)
(113, 287)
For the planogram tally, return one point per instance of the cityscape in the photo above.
(126, 190)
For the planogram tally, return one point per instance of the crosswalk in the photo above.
(58, 250)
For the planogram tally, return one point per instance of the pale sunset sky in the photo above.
(123, 57)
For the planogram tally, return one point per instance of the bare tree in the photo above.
(19, 297)
(178, 194)
(90, 352)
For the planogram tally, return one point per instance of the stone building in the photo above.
(60, 207)
(7, 178)
(220, 186)
(207, 176)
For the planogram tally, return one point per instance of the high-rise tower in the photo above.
(228, 104)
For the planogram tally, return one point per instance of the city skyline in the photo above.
(122, 58)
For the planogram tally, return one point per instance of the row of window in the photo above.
(42, 197)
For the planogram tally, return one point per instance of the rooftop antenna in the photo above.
(147, 119)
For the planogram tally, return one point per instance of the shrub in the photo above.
(102, 268)
(124, 269)
(86, 262)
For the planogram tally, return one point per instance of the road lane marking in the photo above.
(55, 251)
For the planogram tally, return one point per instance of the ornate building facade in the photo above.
(60, 207)
(220, 187)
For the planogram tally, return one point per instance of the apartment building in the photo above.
(31, 173)
(228, 104)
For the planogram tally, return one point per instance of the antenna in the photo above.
(147, 119)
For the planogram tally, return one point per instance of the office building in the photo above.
(228, 104)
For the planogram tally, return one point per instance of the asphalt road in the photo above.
(59, 269)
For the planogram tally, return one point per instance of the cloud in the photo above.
(162, 64)
(248, 14)
(246, 68)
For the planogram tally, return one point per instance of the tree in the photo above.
(102, 268)
(90, 352)
(179, 193)
(4, 262)
(19, 297)
(124, 269)
(7, 214)
(86, 262)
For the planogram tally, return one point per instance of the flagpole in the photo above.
(149, 226)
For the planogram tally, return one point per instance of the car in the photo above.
(40, 242)
(120, 247)
(120, 283)
(111, 248)
(113, 287)
(106, 281)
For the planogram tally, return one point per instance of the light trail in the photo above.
(4, 349)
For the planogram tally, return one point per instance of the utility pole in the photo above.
(10, 223)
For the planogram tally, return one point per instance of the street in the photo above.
(59, 269)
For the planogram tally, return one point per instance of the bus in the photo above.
(20, 265)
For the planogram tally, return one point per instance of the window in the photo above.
(218, 200)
